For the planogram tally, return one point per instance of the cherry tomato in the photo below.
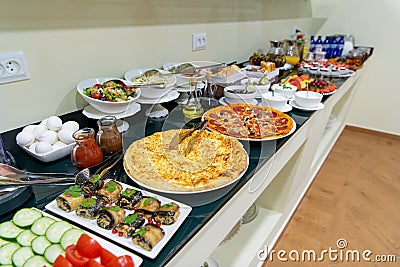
(96, 95)
(106, 257)
(88, 247)
(122, 261)
(93, 263)
(61, 261)
(73, 256)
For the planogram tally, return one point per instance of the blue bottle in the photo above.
(340, 46)
(326, 47)
(312, 43)
(334, 46)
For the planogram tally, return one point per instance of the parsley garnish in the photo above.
(149, 201)
(128, 192)
(113, 208)
(74, 191)
(110, 186)
(94, 178)
(167, 206)
(88, 202)
(142, 231)
(131, 218)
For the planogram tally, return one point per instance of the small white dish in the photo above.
(93, 113)
(285, 108)
(172, 95)
(293, 104)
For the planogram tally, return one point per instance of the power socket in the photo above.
(199, 41)
(13, 67)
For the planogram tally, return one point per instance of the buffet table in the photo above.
(278, 176)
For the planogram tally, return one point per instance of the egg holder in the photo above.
(61, 150)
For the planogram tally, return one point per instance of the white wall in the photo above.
(76, 40)
(373, 23)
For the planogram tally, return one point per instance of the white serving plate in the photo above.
(116, 250)
(52, 155)
(127, 242)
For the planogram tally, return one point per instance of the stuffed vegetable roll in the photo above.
(70, 199)
(130, 224)
(109, 217)
(110, 192)
(90, 208)
(148, 236)
(92, 185)
(167, 214)
(129, 198)
(147, 206)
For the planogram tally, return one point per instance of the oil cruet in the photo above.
(108, 137)
(275, 53)
(193, 108)
(86, 152)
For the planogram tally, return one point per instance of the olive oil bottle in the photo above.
(193, 108)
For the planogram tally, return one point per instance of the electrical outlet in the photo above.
(199, 41)
(13, 67)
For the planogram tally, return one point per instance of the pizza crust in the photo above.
(215, 160)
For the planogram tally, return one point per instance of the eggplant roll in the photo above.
(70, 199)
(129, 198)
(91, 186)
(147, 206)
(130, 224)
(148, 236)
(110, 192)
(167, 214)
(110, 217)
(90, 208)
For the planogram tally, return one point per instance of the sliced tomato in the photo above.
(61, 261)
(96, 95)
(73, 255)
(107, 257)
(122, 261)
(88, 247)
(93, 263)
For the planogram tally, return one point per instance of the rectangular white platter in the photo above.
(116, 250)
(127, 242)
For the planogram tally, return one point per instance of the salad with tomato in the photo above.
(110, 91)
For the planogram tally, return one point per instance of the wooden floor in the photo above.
(356, 197)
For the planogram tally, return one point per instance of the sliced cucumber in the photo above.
(37, 261)
(26, 216)
(39, 244)
(3, 242)
(25, 238)
(9, 230)
(56, 230)
(21, 255)
(70, 237)
(52, 252)
(40, 226)
(6, 252)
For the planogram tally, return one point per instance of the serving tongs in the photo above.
(10, 176)
(178, 138)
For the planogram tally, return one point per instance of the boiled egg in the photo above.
(25, 138)
(29, 128)
(38, 130)
(32, 147)
(54, 123)
(43, 147)
(48, 136)
(58, 145)
(70, 126)
(66, 136)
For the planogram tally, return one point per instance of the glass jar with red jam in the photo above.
(86, 152)
(108, 137)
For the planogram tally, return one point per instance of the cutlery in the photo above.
(193, 140)
(178, 138)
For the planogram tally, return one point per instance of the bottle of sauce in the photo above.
(108, 137)
(86, 152)
(193, 108)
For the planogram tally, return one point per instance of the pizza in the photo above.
(214, 160)
(249, 121)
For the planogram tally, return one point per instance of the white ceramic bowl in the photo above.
(183, 80)
(233, 95)
(287, 90)
(104, 106)
(151, 92)
(308, 99)
(275, 100)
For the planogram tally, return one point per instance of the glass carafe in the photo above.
(108, 136)
(86, 152)
(292, 55)
(193, 108)
(275, 53)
